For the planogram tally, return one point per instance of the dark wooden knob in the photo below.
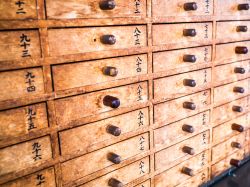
(116, 159)
(243, 6)
(189, 58)
(108, 39)
(239, 70)
(237, 127)
(237, 109)
(241, 28)
(116, 131)
(235, 162)
(241, 50)
(111, 101)
(114, 183)
(110, 71)
(239, 90)
(189, 105)
(107, 4)
(189, 32)
(188, 150)
(187, 171)
(189, 82)
(188, 128)
(236, 145)
(190, 6)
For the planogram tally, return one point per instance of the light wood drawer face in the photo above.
(94, 72)
(247, 146)
(81, 40)
(181, 130)
(228, 147)
(180, 8)
(19, 44)
(69, 9)
(144, 184)
(21, 83)
(92, 135)
(166, 112)
(22, 121)
(13, 9)
(92, 162)
(231, 128)
(44, 178)
(170, 34)
(231, 72)
(25, 155)
(174, 176)
(230, 7)
(182, 151)
(230, 92)
(73, 108)
(182, 84)
(167, 60)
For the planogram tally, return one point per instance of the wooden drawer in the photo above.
(82, 40)
(231, 72)
(73, 108)
(183, 58)
(175, 175)
(181, 130)
(181, 8)
(247, 144)
(22, 121)
(230, 7)
(182, 151)
(144, 184)
(228, 147)
(99, 71)
(69, 9)
(44, 178)
(170, 34)
(230, 92)
(19, 44)
(231, 128)
(124, 175)
(25, 155)
(114, 154)
(166, 112)
(21, 83)
(93, 134)
(182, 84)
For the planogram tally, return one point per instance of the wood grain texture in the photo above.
(247, 143)
(230, 7)
(144, 184)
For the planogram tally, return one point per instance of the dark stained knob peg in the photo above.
(107, 4)
(189, 105)
(243, 6)
(236, 145)
(188, 128)
(116, 159)
(188, 150)
(189, 58)
(111, 101)
(190, 6)
(239, 90)
(189, 82)
(187, 171)
(189, 32)
(237, 109)
(235, 162)
(116, 131)
(114, 183)
(241, 50)
(241, 28)
(237, 127)
(110, 71)
(239, 70)
(108, 39)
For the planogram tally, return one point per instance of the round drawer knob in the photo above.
(188, 128)
(114, 183)
(116, 131)
(237, 109)
(189, 58)
(188, 150)
(108, 39)
(241, 50)
(187, 171)
(235, 162)
(116, 159)
(239, 70)
(189, 32)
(239, 90)
(190, 6)
(243, 6)
(236, 145)
(107, 4)
(241, 28)
(189, 105)
(189, 82)
(111, 101)
(110, 71)
(237, 127)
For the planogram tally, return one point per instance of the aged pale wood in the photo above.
(230, 7)
(144, 184)
(247, 144)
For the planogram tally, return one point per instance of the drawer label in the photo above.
(142, 167)
(207, 5)
(206, 54)
(206, 31)
(36, 151)
(30, 81)
(20, 7)
(137, 4)
(25, 43)
(138, 64)
(137, 35)
(31, 116)
(142, 142)
(139, 93)
(140, 118)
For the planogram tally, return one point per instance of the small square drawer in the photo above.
(182, 84)
(81, 40)
(25, 155)
(175, 154)
(115, 154)
(144, 184)
(233, 7)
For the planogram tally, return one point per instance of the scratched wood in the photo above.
(230, 7)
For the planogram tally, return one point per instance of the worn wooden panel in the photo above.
(144, 184)
(167, 60)
(92, 162)
(77, 107)
(86, 73)
(81, 40)
(230, 7)
(24, 155)
(247, 143)
(23, 44)
(175, 86)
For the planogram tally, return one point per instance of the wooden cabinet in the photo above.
(233, 7)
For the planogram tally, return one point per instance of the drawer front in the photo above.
(73, 108)
(13, 9)
(164, 34)
(231, 128)
(180, 8)
(99, 71)
(247, 145)
(228, 147)
(175, 176)
(21, 83)
(22, 121)
(181, 130)
(167, 60)
(166, 112)
(69, 9)
(230, 92)
(231, 72)
(182, 84)
(29, 154)
(44, 178)
(95, 39)
(91, 135)
(230, 7)
(144, 184)
(124, 175)
(19, 44)
(84, 165)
